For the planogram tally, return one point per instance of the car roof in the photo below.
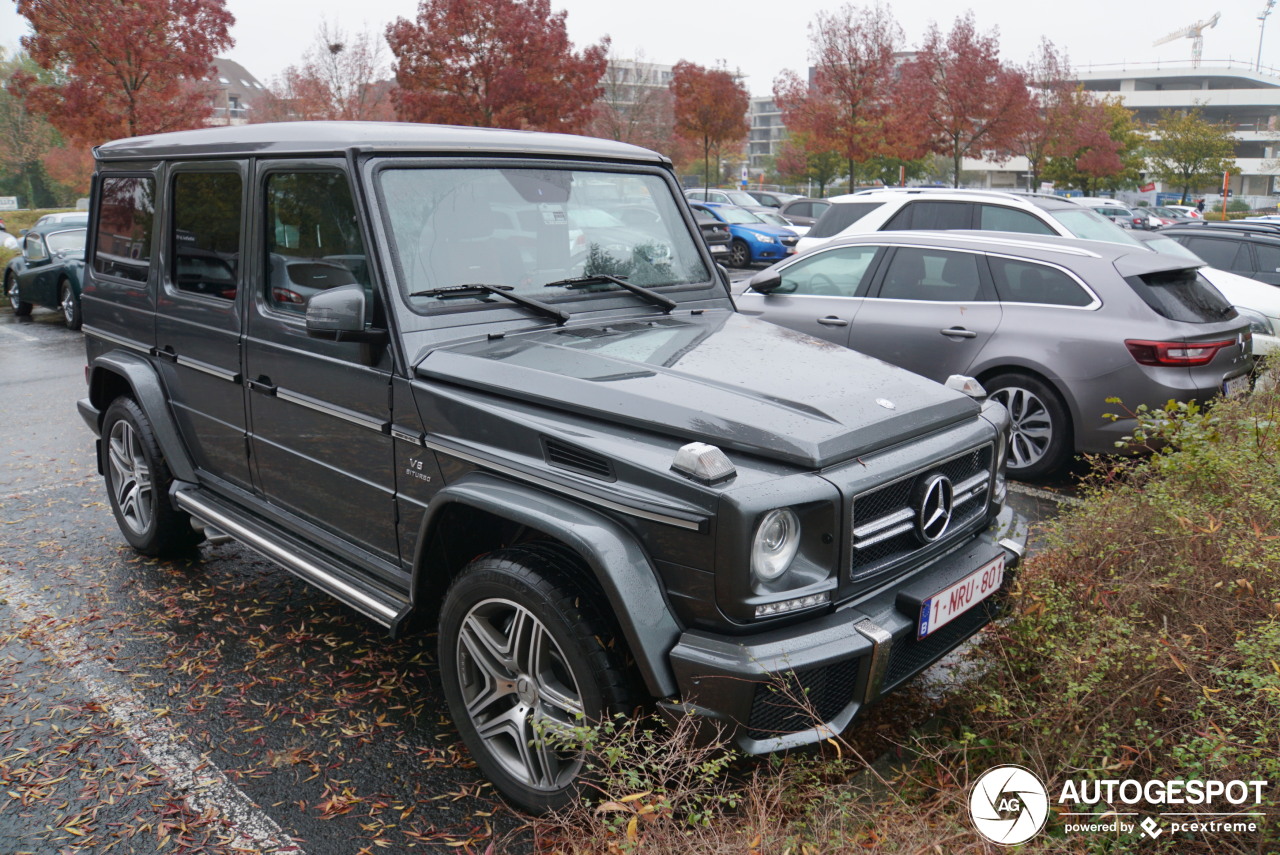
(1240, 228)
(881, 194)
(314, 138)
(1130, 259)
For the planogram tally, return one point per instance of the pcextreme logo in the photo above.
(1010, 805)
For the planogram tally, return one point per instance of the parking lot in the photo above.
(216, 705)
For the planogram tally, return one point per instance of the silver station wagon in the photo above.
(1052, 327)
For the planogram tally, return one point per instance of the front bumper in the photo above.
(806, 682)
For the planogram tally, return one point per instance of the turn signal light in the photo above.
(1179, 353)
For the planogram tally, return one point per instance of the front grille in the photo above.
(885, 518)
(789, 240)
(910, 655)
(801, 700)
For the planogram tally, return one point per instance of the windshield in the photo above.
(68, 241)
(521, 229)
(738, 217)
(1091, 225)
(772, 218)
(740, 197)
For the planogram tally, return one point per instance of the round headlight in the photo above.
(776, 543)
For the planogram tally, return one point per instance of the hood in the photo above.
(766, 229)
(718, 377)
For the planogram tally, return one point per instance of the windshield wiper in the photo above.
(478, 289)
(654, 297)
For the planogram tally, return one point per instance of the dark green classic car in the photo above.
(48, 272)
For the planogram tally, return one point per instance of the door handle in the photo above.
(166, 353)
(833, 321)
(958, 332)
(262, 384)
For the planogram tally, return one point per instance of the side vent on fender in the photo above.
(566, 456)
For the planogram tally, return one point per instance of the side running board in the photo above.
(328, 573)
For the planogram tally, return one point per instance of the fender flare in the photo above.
(616, 560)
(147, 390)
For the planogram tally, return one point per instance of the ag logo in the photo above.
(1008, 805)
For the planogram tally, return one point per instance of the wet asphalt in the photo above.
(210, 705)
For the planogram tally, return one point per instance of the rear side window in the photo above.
(126, 217)
(1026, 282)
(1268, 257)
(932, 216)
(1182, 295)
(1220, 253)
(840, 216)
(997, 218)
(934, 275)
(206, 233)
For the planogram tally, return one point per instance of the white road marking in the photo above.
(13, 333)
(1037, 493)
(206, 789)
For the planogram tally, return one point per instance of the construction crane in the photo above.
(1195, 32)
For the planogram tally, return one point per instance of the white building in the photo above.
(767, 134)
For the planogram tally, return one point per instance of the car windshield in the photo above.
(1090, 225)
(740, 197)
(68, 241)
(772, 218)
(738, 216)
(521, 229)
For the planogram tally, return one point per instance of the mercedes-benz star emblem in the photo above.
(935, 503)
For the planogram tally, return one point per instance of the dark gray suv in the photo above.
(452, 374)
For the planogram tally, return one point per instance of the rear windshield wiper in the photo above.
(478, 289)
(654, 297)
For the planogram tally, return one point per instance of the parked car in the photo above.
(1190, 210)
(770, 198)
(1121, 215)
(595, 480)
(754, 240)
(1170, 216)
(715, 234)
(740, 198)
(773, 218)
(48, 272)
(1248, 249)
(64, 218)
(1257, 302)
(1052, 328)
(930, 209)
(804, 212)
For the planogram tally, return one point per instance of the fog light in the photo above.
(784, 606)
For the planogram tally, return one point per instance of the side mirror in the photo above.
(765, 282)
(338, 314)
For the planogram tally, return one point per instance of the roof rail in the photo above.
(981, 191)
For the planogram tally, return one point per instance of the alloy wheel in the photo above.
(130, 477)
(520, 693)
(1031, 428)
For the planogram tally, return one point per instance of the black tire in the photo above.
(739, 253)
(70, 305)
(21, 307)
(138, 481)
(1041, 437)
(512, 597)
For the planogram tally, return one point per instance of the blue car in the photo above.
(753, 239)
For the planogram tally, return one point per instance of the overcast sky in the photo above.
(763, 37)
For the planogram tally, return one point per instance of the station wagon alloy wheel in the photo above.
(1040, 429)
(520, 693)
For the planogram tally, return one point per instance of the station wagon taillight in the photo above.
(1175, 352)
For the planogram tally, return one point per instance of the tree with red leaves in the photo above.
(967, 103)
(849, 107)
(493, 63)
(340, 78)
(123, 67)
(711, 109)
